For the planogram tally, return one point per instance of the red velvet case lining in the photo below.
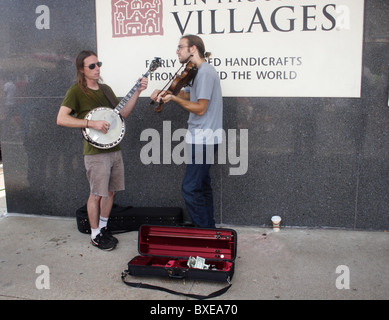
(172, 246)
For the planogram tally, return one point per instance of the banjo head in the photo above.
(115, 133)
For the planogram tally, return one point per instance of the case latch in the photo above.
(176, 273)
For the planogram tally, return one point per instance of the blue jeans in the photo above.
(197, 190)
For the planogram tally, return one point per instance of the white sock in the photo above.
(94, 233)
(103, 222)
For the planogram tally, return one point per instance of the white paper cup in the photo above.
(276, 220)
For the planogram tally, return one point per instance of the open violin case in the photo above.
(184, 253)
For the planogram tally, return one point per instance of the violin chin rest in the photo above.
(158, 108)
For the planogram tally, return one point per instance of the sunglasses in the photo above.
(93, 65)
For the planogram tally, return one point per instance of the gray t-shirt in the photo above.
(206, 129)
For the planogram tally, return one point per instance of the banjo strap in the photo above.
(108, 95)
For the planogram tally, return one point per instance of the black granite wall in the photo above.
(316, 162)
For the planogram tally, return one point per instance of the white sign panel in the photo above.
(260, 48)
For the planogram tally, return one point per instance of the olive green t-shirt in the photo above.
(81, 103)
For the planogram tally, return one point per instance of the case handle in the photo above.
(175, 276)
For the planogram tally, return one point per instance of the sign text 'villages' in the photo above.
(259, 47)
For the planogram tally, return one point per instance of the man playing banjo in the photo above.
(104, 166)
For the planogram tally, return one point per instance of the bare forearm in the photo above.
(65, 119)
(130, 105)
(198, 108)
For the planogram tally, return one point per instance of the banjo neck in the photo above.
(129, 95)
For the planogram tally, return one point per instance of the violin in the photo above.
(178, 82)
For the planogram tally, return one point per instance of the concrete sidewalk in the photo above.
(290, 264)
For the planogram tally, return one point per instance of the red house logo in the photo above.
(136, 18)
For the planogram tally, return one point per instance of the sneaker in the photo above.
(103, 243)
(107, 234)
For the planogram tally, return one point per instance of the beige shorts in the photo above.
(105, 172)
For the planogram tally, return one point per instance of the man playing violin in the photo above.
(203, 99)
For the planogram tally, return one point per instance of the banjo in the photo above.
(117, 127)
